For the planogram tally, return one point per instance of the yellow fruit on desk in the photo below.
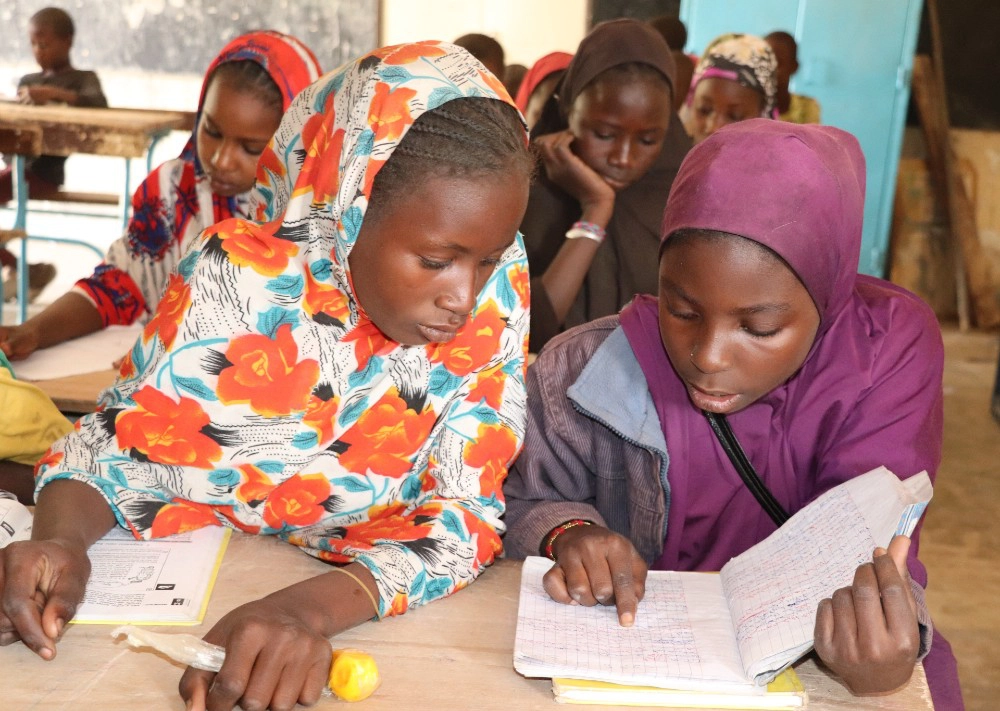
(353, 674)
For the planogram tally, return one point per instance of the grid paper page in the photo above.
(673, 644)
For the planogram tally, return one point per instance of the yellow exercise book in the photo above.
(784, 692)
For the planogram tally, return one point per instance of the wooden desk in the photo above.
(77, 393)
(456, 653)
(66, 130)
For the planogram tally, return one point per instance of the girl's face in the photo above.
(718, 102)
(420, 262)
(736, 322)
(234, 130)
(619, 128)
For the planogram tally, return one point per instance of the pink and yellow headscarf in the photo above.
(745, 59)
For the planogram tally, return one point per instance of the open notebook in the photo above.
(732, 631)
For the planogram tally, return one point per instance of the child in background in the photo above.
(29, 426)
(796, 108)
(675, 33)
(487, 50)
(346, 373)
(539, 83)
(823, 375)
(610, 146)
(513, 75)
(51, 33)
(736, 79)
(245, 92)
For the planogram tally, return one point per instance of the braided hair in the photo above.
(467, 137)
(249, 77)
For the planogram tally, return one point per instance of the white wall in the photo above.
(527, 29)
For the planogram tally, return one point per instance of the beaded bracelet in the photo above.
(548, 543)
(588, 230)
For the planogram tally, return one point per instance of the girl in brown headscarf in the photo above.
(610, 145)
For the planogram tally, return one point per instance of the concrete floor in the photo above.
(960, 543)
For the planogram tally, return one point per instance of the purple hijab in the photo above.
(869, 392)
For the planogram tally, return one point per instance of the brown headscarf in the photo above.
(626, 264)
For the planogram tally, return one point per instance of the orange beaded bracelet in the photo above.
(550, 538)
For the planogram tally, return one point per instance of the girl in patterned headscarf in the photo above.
(736, 79)
(346, 372)
(246, 90)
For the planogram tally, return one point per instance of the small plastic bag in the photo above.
(184, 648)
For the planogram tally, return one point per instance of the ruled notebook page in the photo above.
(774, 588)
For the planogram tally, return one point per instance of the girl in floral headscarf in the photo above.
(247, 88)
(346, 373)
(736, 79)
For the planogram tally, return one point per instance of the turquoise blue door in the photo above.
(855, 58)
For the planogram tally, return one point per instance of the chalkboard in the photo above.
(184, 36)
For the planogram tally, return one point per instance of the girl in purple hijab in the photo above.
(823, 374)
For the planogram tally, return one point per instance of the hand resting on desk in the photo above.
(597, 566)
(18, 342)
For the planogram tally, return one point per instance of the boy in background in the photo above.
(51, 33)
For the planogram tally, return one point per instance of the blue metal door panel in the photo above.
(859, 55)
(856, 57)
(707, 19)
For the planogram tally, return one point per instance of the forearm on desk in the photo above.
(72, 512)
(70, 316)
(565, 276)
(332, 602)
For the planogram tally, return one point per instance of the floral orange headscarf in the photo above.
(261, 397)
